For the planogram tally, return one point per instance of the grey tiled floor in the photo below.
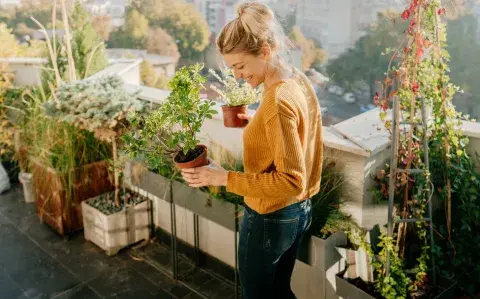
(37, 263)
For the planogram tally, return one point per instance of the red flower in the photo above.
(415, 87)
(376, 99)
(410, 27)
(406, 50)
(442, 11)
(406, 14)
(419, 52)
(384, 105)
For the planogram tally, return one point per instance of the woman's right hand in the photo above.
(244, 116)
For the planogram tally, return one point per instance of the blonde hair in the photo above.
(254, 28)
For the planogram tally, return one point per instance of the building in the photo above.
(338, 24)
(165, 65)
(115, 9)
(10, 2)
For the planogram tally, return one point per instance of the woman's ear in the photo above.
(266, 51)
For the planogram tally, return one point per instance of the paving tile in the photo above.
(30, 268)
(82, 291)
(126, 283)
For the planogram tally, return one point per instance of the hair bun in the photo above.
(254, 8)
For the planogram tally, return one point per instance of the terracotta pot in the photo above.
(197, 162)
(230, 118)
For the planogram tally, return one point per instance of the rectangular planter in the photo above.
(203, 204)
(346, 290)
(116, 231)
(318, 263)
(149, 184)
(54, 207)
(358, 262)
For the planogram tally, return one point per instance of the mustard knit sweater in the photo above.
(283, 149)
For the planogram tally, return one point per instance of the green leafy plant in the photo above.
(418, 69)
(171, 129)
(233, 93)
(99, 106)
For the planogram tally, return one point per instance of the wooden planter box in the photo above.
(317, 264)
(203, 204)
(116, 231)
(54, 207)
(149, 184)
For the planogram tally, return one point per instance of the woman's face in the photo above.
(248, 67)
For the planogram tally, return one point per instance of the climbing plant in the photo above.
(418, 69)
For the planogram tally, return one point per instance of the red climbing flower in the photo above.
(406, 14)
(415, 87)
(442, 11)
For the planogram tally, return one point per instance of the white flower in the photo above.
(234, 94)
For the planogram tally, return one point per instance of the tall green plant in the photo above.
(419, 69)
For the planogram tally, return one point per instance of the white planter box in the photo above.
(116, 231)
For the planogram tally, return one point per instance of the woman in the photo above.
(282, 154)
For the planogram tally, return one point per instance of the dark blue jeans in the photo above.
(268, 248)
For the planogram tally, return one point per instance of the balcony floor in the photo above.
(35, 262)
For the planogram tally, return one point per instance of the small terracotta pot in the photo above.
(230, 118)
(197, 162)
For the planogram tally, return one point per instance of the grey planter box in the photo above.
(316, 267)
(346, 290)
(203, 204)
(149, 184)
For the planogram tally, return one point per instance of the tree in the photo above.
(161, 43)
(22, 29)
(151, 78)
(136, 26)
(8, 44)
(366, 60)
(309, 50)
(182, 21)
(102, 25)
(88, 48)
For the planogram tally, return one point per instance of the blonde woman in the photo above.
(282, 154)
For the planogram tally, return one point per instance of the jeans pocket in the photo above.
(279, 234)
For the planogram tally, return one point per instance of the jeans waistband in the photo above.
(303, 205)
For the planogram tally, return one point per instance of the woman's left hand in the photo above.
(210, 175)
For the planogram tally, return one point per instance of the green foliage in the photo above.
(150, 78)
(172, 128)
(326, 202)
(93, 104)
(182, 21)
(367, 59)
(234, 94)
(87, 46)
(395, 285)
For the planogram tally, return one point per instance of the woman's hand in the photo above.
(244, 116)
(210, 175)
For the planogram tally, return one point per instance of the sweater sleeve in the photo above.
(287, 179)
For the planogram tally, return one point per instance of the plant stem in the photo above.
(115, 171)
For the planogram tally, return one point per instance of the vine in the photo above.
(418, 70)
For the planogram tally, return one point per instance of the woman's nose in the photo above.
(237, 74)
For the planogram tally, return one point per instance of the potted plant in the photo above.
(236, 97)
(179, 119)
(100, 106)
